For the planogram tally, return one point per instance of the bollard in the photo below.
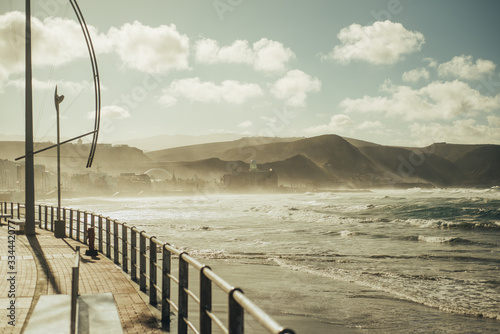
(91, 236)
(60, 228)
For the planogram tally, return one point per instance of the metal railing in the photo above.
(137, 254)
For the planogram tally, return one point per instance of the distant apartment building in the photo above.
(92, 182)
(134, 182)
(254, 179)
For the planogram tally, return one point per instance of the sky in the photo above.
(393, 72)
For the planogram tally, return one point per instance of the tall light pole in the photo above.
(57, 100)
(29, 162)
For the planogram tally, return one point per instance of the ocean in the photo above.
(379, 261)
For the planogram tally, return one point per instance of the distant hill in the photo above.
(414, 165)
(298, 169)
(481, 165)
(162, 142)
(451, 152)
(327, 160)
(212, 150)
(108, 158)
(334, 159)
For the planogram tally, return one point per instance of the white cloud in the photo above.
(271, 56)
(338, 123)
(59, 41)
(111, 112)
(208, 51)
(431, 62)
(380, 43)
(194, 89)
(150, 49)
(463, 67)
(168, 100)
(415, 75)
(265, 55)
(437, 100)
(494, 121)
(342, 123)
(370, 125)
(55, 42)
(294, 86)
(463, 131)
(245, 124)
(64, 87)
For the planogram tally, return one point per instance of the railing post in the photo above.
(142, 262)
(236, 314)
(52, 218)
(64, 219)
(78, 225)
(40, 215)
(85, 226)
(116, 245)
(12, 209)
(152, 272)
(133, 254)
(124, 248)
(108, 238)
(183, 296)
(205, 302)
(100, 233)
(18, 211)
(165, 289)
(71, 223)
(46, 217)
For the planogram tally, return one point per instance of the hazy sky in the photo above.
(392, 72)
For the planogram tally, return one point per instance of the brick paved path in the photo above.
(43, 266)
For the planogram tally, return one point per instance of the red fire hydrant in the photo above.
(91, 237)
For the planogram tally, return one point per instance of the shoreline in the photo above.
(19, 196)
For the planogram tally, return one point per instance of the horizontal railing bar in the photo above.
(172, 250)
(173, 278)
(257, 313)
(191, 326)
(159, 243)
(223, 285)
(192, 295)
(218, 322)
(196, 265)
(176, 309)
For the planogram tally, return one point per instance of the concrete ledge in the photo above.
(51, 315)
(19, 223)
(97, 314)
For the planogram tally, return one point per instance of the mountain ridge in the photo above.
(330, 160)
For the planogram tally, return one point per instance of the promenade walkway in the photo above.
(43, 267)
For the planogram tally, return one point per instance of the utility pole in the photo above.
(29, 167)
